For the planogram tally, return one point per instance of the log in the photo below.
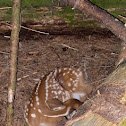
(108, 108)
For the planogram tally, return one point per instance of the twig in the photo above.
(55, 52)
(5, 8)
(7, 37)
(4, 53)
(35, 30)
(29, 4)
(85, 70)
(69, 47)
(100, 80)
(16, 11)
(30, 29)
(123, 17)
(25, 76)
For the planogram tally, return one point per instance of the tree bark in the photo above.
(13, 60)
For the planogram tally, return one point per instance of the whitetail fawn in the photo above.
(55, 95)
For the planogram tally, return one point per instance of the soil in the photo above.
(94, 50)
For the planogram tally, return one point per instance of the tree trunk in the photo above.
(13, 60)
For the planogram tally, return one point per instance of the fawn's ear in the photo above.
(55, 104)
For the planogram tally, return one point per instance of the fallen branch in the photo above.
(68, 47)
(123, 17)
(30, 29)
(35, 30)
(25, 76)
(7, 37)
(5, 8)
(13, 61)
(4, 53)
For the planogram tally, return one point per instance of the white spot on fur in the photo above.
(73, 72)
(31, 105)
(73, 89)
(28, 102)
(26, 120)
(64, 74)
(43, 124)
(59, 70)
(69, 84)
(124, 48)
(46, 86)
(33, 115)
(59, 92)
(64, 114)
(70, 69)
(78, 69)
(56, 97)
(58, 87)
(55, 92)
(65, 68)
(55, 72)
(80, 74)
(39, 110)
(68, 72)
(37, 103)
(52, 91)
(75, 84)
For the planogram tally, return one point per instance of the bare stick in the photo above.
(13, 61)
(18, 79)
(31, 29)
(5, 8)
(68, 47)
(123, 17)
(35, 30)
(4, 52)
(7, 37)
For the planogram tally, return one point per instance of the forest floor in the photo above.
(92, 48)
(95, 50)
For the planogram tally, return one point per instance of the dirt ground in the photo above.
(95, 50)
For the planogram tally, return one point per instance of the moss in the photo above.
(88, 24)
(118, 12)
(68, 14)
(110, 3)
(122, 122)
(29, 11)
